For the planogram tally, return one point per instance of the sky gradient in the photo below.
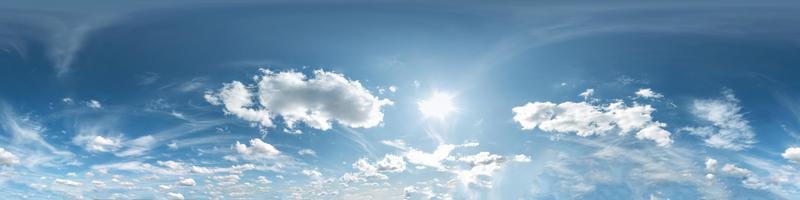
(399, 100)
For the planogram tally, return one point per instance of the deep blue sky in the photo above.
(567, 100)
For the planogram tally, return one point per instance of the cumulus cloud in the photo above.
(792, 153)
(648, 93)
(7, 158)
(187, 182)
(94, 104)
(390, 164)
(257, 149)
(315, 101)
(96, 143)
(711, 165)
(728, 128)
(175, 196)
(482, 165)
(522, 158)
(433, 160)
(586, 119)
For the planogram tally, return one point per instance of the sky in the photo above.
(399, 100)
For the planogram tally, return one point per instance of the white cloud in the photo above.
(201, 170)
(483, 164)
(7, 158)
(648, 93)
(400, 144)
(430, 159)
(67, 100)
(138, 146)
(312, 173)
(96, 143)
(175, 196)
(749, 179)
(586, 94)
(187, 182)
(390, 163)
(173, 145)
(258, 149)
(711, 165)
(237, 100)
(792, 153)
(25, 137)
(309, 152)
(585, 119)
(94, 104)
(522, 158)
(263, 180)
(316, 101)
(171, 164)
(729, 129)
(68, 182)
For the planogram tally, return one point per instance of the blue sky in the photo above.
(399, 100)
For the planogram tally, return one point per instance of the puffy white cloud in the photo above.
(316, 101)
(68, 182)
(483, 164)
(96, 143)
(586, 119)
(729, 129)
(94, 104)
(522, 158)
(7, 158)
(67, 100)
(312, 173)
(187, 182)
(257, 149)
(238, 99)
(711, 165)
(656, 133)
(201, 170)
(792, 153)
(226, 180)
(648, 93)
(430, 159)
(175, 196)
(390, 163)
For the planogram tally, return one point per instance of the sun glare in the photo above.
(437, 106)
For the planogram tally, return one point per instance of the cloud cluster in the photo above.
(586, 119)
(792, 153)
(315, 101)
(728, 128)
(257, 149)
(7, 158)
(390, 163)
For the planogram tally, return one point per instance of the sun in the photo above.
(437, 106)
